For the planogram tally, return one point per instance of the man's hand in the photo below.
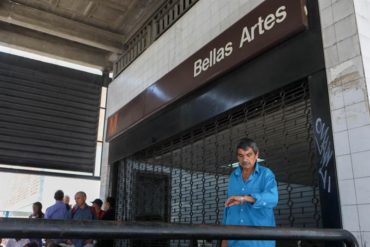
(236, 200)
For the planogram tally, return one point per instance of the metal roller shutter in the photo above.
(194, 167)
(48, 115)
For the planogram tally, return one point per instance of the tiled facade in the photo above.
(346, 40)
(346, 32)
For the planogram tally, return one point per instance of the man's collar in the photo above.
(239, 169)
(257, 167)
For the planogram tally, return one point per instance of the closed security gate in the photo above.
(184, 179)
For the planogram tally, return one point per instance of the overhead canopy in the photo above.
(88, 32)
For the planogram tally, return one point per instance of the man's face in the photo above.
(80, 199)
(106, 206)
(66, 199)
(35, 209)
(247, 158)
(96, 206)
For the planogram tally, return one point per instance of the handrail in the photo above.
(25, 228)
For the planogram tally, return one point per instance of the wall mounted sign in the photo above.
(269, 24)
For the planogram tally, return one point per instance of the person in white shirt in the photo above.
(16, 242)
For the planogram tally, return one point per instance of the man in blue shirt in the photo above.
(57, 211)
(81, 212)
(251, 196)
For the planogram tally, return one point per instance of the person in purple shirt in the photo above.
(58, 211)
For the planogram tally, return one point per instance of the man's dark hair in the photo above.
(246, 143)
(38, 204)
(59, 194)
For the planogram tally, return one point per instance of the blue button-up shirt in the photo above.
(78, 213)
(57, 211)
(262, 186)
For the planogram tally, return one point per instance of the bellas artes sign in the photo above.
(266, 26)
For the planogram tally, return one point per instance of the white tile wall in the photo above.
(366, 239)
(350, 218)
(342, 9)
(362, 167)
(346, 28)
(347, 71)
(348, 48)
(347, 192)
(359, 139)
(362, 8)
(364, 215)
(105, 169)
(336, 95)
(358, 236)
(354, 92)
(344, 167)
(357, 115)
(339, 121)
(341, 143)
(331, 55)
(363, 190)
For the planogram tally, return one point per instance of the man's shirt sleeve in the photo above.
(225, 215)
(68, 215)
(226, 209)
(268, 198)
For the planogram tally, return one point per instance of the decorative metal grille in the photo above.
(197, 164)
(167, 15)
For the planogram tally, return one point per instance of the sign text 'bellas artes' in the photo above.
(248, 35)
(269, 24)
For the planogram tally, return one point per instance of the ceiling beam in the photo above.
(54, 47)
(42, 21)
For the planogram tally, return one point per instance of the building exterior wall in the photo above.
(346, 48)
(362, 10)
(346, 39)
(105, 168)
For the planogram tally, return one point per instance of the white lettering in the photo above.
(220, 55)
(249, 34)
(215, 56)
(228, 49)
(245, 37)
(260, 26)
(197, 67)
(263, 25)
(269, 22)
(281, 14)
(205, 64)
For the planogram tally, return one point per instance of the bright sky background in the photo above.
(49, 60)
